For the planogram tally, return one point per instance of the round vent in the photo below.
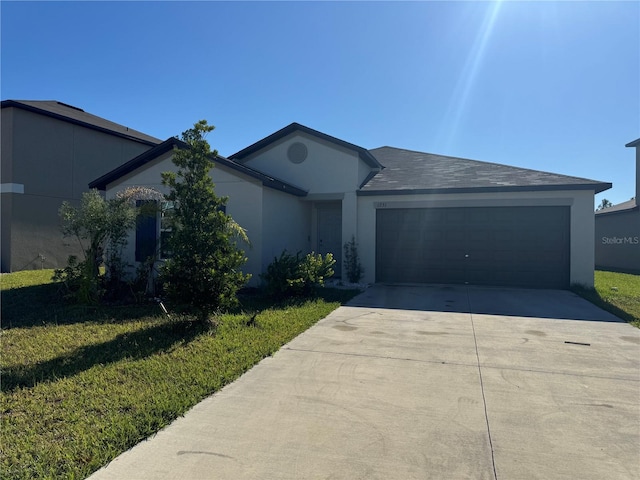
(297, 152)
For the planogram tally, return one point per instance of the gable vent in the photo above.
(297, 152)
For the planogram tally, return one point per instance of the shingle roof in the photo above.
(69, 113)
(407, 171)
(168, 145)
(620, 207)
(363, 153)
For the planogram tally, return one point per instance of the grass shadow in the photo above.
(38, 305)
(133, 345)
(256, 300)
(594, 297)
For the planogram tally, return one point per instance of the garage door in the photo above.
(508, 246)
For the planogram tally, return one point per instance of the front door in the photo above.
(330, 233)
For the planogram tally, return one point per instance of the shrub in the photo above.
(204, 269)
(101, 227)
(290, 275)
(78, 284)
(352, 265)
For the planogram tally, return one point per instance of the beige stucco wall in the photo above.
(244, 204)
(55, 161)
(286, 224)
(327, 168)
(581, 224)
(330, 173)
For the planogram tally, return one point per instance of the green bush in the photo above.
(204, 269)
(290, 275)
(352, 265)
(78, 282)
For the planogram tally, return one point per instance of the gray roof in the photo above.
(171, 143)
(635, 143)
(76, 115)
(620, 207)
(407, 172)
(363, 153)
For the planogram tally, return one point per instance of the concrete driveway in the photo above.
(435, 382)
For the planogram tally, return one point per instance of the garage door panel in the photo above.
(519, 246)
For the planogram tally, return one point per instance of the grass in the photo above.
(618, 293)
(81, 385)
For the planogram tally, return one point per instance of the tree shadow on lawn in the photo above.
(133, 345)
(40, 305)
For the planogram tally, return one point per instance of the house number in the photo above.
(381, 204)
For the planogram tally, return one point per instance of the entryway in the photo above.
(330, 232)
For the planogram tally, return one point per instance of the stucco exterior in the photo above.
(245, 204)
(617, 241)
(328, 180)
(580, 203)
(46, 161)
(617, 231)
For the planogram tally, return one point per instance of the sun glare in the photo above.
(466, 80)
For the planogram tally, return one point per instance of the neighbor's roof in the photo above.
(167, 146)
(77, 116)
(627, 206)
(409, 172)
(363, 153)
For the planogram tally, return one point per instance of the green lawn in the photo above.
(81, 385)
(618, 293)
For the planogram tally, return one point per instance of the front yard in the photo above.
(618, 293)
(80, 385)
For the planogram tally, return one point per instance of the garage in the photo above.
(504, 246)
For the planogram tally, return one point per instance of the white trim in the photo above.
(11, 188)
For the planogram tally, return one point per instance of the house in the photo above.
(417, 217)
(618, 231)
(50, 152)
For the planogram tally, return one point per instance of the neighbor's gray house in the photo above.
(417, 217)
(618, 231)
(50, 152)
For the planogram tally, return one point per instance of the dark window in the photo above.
(166, 229)
(146, 230)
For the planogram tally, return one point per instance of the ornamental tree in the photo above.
(101, 227)
(203, 271)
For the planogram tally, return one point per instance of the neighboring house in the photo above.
(618, 231)
(50, 152)
(417, 217)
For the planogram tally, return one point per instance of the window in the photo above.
(149, 223)
(146, 229)
(166, 228)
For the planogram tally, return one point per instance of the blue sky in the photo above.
(551, 86)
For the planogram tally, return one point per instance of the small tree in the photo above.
(604, 204)
(101, 228)
(204, 269)
(352, 265)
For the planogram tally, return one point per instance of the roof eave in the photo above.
(635, 143)
(57, 116)
(596, 187)
(635, 208)
(133, 164)
(171, 143)
(363, 153)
